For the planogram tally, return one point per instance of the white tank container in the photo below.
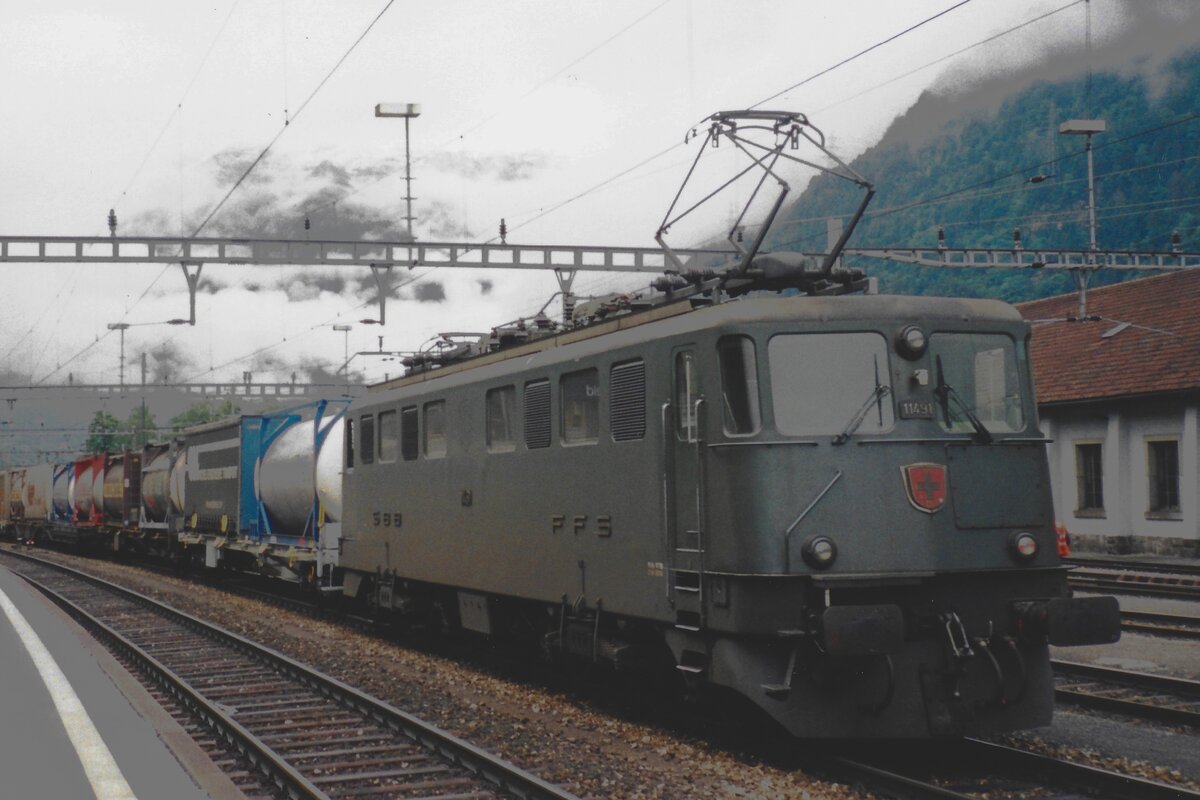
(39, 484)
(292, 473)
(156, 487)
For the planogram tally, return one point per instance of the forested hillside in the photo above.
(972, 176)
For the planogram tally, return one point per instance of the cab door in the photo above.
(684, 495)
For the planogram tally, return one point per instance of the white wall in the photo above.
(1123, 432)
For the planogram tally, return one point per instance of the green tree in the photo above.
(200, 413)
(141, 427)
(105, 433)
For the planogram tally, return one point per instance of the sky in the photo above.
(155, 109)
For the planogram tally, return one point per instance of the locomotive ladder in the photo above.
(686, 570)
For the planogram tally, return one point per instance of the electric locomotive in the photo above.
(837, 507)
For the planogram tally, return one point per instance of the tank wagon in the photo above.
(260, 493)
(837, 507)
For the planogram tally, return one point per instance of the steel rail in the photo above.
(1113, 784)
(1115, 585)
(500, 774)
(278, 771)
(1135, 566)
(1158, 623)
(1188, 690)
(952, 771)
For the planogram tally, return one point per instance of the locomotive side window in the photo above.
(387, 437)
(739, 385)
(580, 392)
(501, 419)
(627, 401)
(435, 429)
(349, 443)
(981, 371)
(366, 438)
(408, 433)
(687, 390)
(537, 414)
(818, 380)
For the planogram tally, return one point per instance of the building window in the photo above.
(537, 414)
(388, 438)
(366, 439)
(501, 418)
(435, 429)
(349, 443)
(1089, 477)
(627, 401)
(739, 385)
(408, 433)
(1162, 469)
(581, 407)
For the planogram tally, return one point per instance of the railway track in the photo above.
(306, 734)
(1168, 567)
(1113, 581)
(1158, 698)
(969, 769)
(1161, 624)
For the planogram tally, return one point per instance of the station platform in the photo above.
(154, 757)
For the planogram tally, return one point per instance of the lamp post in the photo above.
(122, 327)
(407, 111)
(1086, 127)
(345, 331)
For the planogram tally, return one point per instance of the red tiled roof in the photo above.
(1073, 360)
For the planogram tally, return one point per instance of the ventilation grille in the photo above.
(537, 414)
(628, 406)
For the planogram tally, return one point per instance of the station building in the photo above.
(1119, 397)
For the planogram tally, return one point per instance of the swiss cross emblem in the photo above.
(925, 485)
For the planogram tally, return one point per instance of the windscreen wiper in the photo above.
(874, 398)
(945, 393)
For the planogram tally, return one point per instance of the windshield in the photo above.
(819, 380)
(980, 370)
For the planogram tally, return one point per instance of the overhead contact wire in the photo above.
(861, 53)
(294, 117)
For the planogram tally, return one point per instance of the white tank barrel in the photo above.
(291, 474)
(39, 483)
(63, 474)
(329, 471)
(156, 487)
(178, 481)
(113, 490)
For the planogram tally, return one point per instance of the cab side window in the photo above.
(388, 439)
(366, 438)
(501, 419)
(580, 393)
(435, 429)
(408, 433)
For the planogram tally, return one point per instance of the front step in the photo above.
(692, 662)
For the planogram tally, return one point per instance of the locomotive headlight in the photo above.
(1024, 545)
(819, 552)
(911, 342)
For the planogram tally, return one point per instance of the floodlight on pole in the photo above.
(407, 111)
(1088, 128)
(122, 327)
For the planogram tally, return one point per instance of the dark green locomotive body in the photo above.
(838, 507)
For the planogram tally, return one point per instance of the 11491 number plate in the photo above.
(916, 409)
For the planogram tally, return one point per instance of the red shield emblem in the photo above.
(925, 485)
